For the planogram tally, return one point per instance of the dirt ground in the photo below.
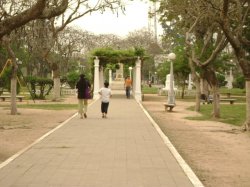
(19, 131)
(218, 153)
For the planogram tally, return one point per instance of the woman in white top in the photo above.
(105, 93)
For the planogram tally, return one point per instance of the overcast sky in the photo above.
(136, 17)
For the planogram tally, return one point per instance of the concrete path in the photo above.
(124, 150)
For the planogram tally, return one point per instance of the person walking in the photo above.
(83, 94)
(128, 86)
(105, 93)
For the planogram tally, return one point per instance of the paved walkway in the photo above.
(124, 150)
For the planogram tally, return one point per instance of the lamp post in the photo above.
(130, 70)
(171, 94)
(19, 62)
(156, 77)
(81, 67)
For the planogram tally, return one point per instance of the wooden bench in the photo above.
(231, 101)
(169, 107)
(19, 97)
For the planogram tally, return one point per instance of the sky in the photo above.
(135, 18)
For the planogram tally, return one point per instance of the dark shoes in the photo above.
(85, 115)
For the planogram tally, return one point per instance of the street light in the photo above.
(19, 62)
(81, 67)
(130, 70)
(156, 77)
(171, 94)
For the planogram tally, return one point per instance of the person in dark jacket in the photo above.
(83, 94)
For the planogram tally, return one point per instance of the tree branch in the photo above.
(37, 11)
(225, 25)
(221, 45)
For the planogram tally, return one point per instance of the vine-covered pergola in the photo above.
(109, 58)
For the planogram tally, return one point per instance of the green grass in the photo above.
(49, 106)
(233, 91)
(149, 90)
(231, 114)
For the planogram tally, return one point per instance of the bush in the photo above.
(221, 80)
(5, 80)
(42, 83)
(239, 82)
(72, 78)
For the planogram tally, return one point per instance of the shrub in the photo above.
(72, 78)
(239, 82)
(5, 80)
(42, 83)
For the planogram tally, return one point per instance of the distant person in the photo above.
(149, 83)
(128, 86)
(105, 93)
(83, 94)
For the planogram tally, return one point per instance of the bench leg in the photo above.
(169, 108)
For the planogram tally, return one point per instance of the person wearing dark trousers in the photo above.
(127, 86)
(83, 94)
(105, 93)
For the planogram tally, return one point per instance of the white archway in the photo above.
(98, 79)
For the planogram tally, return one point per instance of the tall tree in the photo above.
(75, 10)
(13, 15)
(12, 18)
(203, 37)
(234, 19)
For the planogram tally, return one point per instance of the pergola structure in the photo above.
(99, 78)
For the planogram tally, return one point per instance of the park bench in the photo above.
(231, 101)
(19, 97)
(169, 107)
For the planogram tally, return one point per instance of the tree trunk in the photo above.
(247, 122)
(205, 87)
(13, 82)
(197, 95)
(182, 91)
(57, 85)
(196, 80)
(13, 110)
(216, 102)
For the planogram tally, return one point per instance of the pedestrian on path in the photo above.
(105, 93)
(83, 94)
(128, 86)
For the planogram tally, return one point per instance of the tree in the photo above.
(142, 38)
(24, 13)
(75, 10)
(203, 38)
(17, 17)
(234, 19)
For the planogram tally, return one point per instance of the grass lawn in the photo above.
(234, 91)
(232, 114)
(47, 106)
(149, 90)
